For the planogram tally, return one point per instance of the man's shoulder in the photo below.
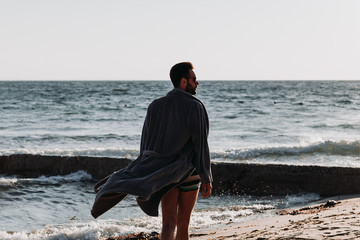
(160, 100)
(177, 99)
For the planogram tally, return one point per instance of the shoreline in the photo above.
(333, 218)
(338, 221)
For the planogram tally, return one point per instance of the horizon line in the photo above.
(141, 80)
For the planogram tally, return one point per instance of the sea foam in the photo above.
(8, 181)
(73, 177)
(328, 148)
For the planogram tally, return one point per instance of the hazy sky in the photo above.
(141, 40)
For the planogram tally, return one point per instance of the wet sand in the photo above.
(138, 236)
(335, 219)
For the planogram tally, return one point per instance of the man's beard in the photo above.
(190, 89)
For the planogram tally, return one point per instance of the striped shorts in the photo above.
(189, 186)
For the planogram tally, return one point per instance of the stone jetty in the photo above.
(229, 178)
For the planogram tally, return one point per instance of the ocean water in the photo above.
(58, 207)
(283, 122)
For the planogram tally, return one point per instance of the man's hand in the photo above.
(206, 189)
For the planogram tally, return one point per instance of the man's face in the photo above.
(191, 83)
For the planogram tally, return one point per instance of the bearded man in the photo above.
(174, 161)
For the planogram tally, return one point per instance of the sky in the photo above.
(142, 40)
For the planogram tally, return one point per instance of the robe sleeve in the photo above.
(144, 131)
(198, 123)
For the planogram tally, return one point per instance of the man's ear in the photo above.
(183, 83)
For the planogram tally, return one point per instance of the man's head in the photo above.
(182, 76)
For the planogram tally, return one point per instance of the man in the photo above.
(174, 158)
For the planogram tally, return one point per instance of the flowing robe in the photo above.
(173, 144)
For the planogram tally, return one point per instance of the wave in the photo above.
(59, 137)
(7, 181)
(343, 148)
(354, 126)
(218, 213)
(73, 177)
(91, 152)
(78, 176)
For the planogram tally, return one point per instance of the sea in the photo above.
(265, 122)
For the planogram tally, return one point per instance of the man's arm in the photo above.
(198, 128)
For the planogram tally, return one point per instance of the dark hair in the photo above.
(178, 71)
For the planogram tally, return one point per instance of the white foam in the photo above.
(97, 229)
(94, 152)
(301, 198)
(351, 148)
(73, 177)
(5, 181)
(91, 230)
(329, 148)
(203, 217)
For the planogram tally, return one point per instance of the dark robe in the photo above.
(173, 145)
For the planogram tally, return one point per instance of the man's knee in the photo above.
(169, 222)
(183, 223)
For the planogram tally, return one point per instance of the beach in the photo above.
(339, 220)
(331, 219)
(274, 145)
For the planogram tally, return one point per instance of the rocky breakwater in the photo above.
(36, 165)
(229, 178)
(271, 179)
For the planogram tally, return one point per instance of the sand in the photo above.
(333, 219)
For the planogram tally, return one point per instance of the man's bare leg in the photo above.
(169, 206)
(186, 205)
